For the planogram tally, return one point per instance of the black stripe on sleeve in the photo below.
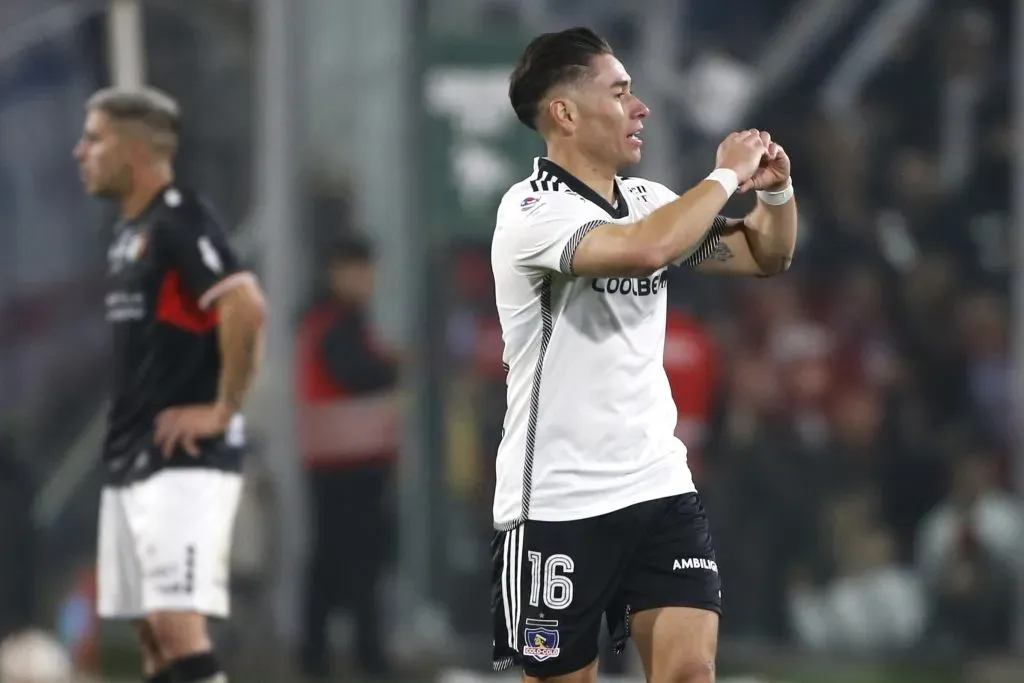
(707, 247)
(535, 178)
(565, 263)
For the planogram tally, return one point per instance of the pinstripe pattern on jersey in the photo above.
(565, 262)
(547, 324)
(704, 250)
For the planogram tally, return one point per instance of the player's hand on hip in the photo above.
(741, 152)
(185, 426)
(773, 171)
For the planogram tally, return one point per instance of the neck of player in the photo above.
(147, 183)
(598, 177)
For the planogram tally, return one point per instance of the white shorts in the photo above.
(165, 544)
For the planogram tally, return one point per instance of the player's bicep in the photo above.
(725, 253)
(237, 297)
(611, 250)
(596, 248)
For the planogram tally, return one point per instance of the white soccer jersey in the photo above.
(590, 418)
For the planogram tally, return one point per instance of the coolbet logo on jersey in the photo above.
(631, 286)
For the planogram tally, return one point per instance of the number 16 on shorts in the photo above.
(550, 579)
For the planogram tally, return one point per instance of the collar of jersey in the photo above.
(157, 199)
(621, 208)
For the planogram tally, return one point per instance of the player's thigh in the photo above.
(676, 644)
(178, 634)
(183, 521)
(152, 658)
(551, 583)
(118, 571)
(588, 674)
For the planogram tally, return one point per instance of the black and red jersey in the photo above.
(165, 270)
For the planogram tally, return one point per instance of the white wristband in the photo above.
(778, 197)
(727, 178)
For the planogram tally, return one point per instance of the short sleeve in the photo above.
(196, 247)
(543, 231)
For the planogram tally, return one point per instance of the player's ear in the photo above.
(563, 112)
(126, 139)
(137, 140)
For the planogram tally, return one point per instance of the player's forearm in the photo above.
(241, 348)
(771, 233)
(676, 230)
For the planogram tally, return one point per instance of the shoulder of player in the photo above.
(181, 207)
(527, 200)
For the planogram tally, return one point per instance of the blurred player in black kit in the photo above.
(187, 325)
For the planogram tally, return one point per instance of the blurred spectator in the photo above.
(349, 432)
(976, 506)
(984, 330)
(968, 549)
(872, 604)
(759, 463)
(936, 362)
(691, 364)
(16, 540)
(916, 215)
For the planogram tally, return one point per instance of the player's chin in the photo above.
(631, 156)
(89, 184)
(95, 189)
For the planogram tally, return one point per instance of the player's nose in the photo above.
(642, 110)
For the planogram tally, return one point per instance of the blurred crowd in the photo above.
(860, 453)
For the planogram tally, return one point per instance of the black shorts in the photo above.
(553, 581)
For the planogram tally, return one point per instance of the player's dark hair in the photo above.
(153, 109)
(549, 60)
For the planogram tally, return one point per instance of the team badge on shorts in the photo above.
(541, 639)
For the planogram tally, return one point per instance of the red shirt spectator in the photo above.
(691, 364)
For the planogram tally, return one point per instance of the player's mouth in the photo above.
(634, 137)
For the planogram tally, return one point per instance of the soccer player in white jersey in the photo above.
(595, 508)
